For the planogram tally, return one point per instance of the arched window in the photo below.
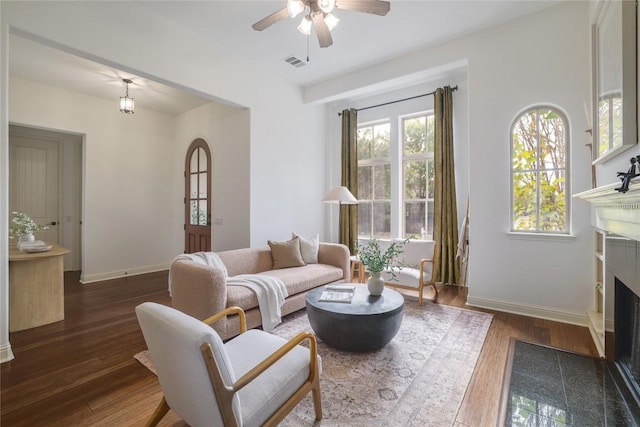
(539, 172)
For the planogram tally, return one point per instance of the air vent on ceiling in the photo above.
(296, 62)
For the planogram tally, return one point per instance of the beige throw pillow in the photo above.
(286, 254)
(308, 248)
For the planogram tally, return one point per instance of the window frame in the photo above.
(567, 172)
(427, 156)
(372, 163)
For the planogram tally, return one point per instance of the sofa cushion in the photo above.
(286, 254)
(308, 248)
(302, 279)
(296, 279)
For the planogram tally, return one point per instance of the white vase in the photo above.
(375, 283)
(27, 238)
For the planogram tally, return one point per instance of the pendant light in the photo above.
(126, 102)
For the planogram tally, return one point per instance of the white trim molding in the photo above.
(616, 212)
(91, 278)
(540, 312)
(6, 354)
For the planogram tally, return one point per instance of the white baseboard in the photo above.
(540, 312)
(596, 340)
(5, 353)
(91, 278)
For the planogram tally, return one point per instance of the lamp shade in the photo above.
(294, 7)
(305, 25)
(340, 195)
(127, 105)
(331, 21)
(326, 5)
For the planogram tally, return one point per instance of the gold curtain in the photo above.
(445, 217)
(349, 213)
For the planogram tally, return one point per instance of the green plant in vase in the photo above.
(23, 226)
(376, 260)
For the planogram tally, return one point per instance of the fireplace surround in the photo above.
(618, 216)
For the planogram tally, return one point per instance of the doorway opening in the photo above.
(45, 182)
(197, 199)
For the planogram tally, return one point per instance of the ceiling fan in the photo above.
(319, 15)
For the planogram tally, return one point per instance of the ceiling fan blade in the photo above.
(376, 7)
(324, 35)
(271, 19)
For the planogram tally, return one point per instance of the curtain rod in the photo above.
(453, 89)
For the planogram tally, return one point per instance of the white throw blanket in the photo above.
(202, 258)
(270, 292)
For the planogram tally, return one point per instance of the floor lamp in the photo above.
(342, 196)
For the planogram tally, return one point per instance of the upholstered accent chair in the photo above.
(419, 259)
(255, 379)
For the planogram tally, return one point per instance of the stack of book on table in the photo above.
(33, 247)
(338, 293)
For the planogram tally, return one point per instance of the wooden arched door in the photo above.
(197, 199)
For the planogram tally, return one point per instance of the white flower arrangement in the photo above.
(23, 224)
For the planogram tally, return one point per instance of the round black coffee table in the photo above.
(367, 323)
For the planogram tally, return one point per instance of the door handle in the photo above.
(53, 223)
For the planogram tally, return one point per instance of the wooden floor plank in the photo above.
(81, 371)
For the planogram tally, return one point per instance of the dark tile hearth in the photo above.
(550, 387)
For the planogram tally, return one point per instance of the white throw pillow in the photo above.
(308, 248)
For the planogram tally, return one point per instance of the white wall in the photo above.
(288, 138)
(286, 155)
(226, 131)
(6, 352)
(126, 157)
(542, 58)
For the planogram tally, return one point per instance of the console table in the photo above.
(36, 288)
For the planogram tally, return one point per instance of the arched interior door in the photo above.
(198, 198)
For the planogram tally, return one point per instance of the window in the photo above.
(396, 177)
(374, 180)
(539, 196)
(418, 176)
(609, 122)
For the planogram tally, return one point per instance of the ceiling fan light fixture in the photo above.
(127, 104)
(331, 21)
(305, 25)
(326, 5)
(294, 7)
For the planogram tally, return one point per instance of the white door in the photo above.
(33, 182)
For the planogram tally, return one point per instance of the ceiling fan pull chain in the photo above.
(307, 47)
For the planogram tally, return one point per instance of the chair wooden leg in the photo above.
(159, 413)
(317, 400)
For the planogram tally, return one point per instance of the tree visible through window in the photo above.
(374, 180)
(396, 177)
(418, 175)
(539, 146)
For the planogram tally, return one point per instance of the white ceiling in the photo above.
(359, 40)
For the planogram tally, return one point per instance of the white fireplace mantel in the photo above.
(616, 212)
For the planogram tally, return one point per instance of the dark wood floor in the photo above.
(81, 372)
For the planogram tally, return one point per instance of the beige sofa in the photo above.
(201, 290)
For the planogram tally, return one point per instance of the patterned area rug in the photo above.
(418, 379)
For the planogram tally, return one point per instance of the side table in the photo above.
(356, 268)
(36, 288)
